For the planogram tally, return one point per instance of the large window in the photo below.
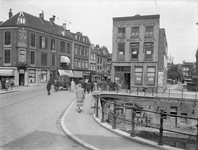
(151, 76)
(75, 63)
(68, 48)
(44, 59)
(62, 47)
(32, 57)
(149, 31)
(121, 48)
(134, 50)
(86, 64)
(53, 59)
(83, 63)
(22, 55)
(82, 51)
(43, 76)
(135, 32)
(79, 63)
(76, 49)
(121, 32)
(32, 76)
(53, 44)
(148, 49)
(86, 52)
(79, 48)
(7, 56)
(138, 75)
(43, 42)
(7, 38)
(33, 40)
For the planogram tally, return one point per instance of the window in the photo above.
(32, 76)
(7, 56)
(134, 50)
(62, 47)
(82, 51)
(138, 75)
(91, 56)
(149, 31)
(148, 49)
(173, 111)
(86, 64)
(94, 57)
(76, 50)
(68, 48)
(7, 38)
(44, 59)
(75, 62)
(86, 52)
(135, 32)
(43, 42)
(53, 59)
(79, 50)
(121, 32)
(53, 44)
(184, 120)
(43, 76)
(79, 63)
(33, 40)
(22, 55)
(83, 63)
(121, 48)
(151, 76)
(32, 57)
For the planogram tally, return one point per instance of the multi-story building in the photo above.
(109, 61)
(188, 71)
(139, 54)
(93, 62)
(33, 50)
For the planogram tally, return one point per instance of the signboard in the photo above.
(160, 79)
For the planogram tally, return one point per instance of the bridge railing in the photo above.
(134, 119)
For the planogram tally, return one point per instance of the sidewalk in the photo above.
(88, 131)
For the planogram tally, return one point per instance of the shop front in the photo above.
(8, 72)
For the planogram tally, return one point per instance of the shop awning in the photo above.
(78, 74)
(66, 72)
(65, 59)
(6, 72)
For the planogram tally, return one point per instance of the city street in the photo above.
(30, 119)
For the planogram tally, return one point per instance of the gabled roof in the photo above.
(38, 24)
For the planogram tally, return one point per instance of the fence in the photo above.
(134, 119)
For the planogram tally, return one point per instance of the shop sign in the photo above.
(21, 71)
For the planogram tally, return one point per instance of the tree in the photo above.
(174, 72)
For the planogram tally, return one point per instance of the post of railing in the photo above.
(161, 129)
(152, 91)
(133, 122)
(137, 90)
(114, 116)
(169, 93)
(96, 106)
(102, 104)
(197, 136)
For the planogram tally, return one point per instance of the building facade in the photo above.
(188, 71)
(139, 54)
(33, 50)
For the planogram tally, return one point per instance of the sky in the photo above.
(94, 19)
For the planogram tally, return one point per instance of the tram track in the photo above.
(23, 100)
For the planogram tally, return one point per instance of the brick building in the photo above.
(33, 50)
(139, 55)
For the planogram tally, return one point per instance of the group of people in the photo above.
(7, 84)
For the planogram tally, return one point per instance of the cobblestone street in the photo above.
(30, 119)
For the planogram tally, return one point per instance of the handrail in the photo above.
(133, 122)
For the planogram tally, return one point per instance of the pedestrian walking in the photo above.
(48, 87)
(80, 97)
(72, 85)
(55, 85)
(7, 84)
(11, 84)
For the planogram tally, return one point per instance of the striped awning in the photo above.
(65, 59)
(68, 73)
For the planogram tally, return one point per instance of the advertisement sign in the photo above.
(160, 79)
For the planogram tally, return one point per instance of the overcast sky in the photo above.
(94, 19)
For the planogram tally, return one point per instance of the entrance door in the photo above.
(127, 79)
(21, 80)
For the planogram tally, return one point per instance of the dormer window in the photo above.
(21, 19)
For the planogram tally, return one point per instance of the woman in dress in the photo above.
(80, 97)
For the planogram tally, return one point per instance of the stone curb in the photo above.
(71, 135)
(11, 91)
(135, 139)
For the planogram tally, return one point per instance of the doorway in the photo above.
(127, 78)
(21, 80)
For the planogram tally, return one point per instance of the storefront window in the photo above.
(32, 76)
(43, 76)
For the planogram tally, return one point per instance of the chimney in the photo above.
(64, 26)
(10, 13)
(41, 15)
(54, 18)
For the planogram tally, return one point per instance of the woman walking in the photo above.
(80, 97)
(48, 87)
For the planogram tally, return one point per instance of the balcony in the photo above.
(22, 65)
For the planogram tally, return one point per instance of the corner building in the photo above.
(139, 55)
